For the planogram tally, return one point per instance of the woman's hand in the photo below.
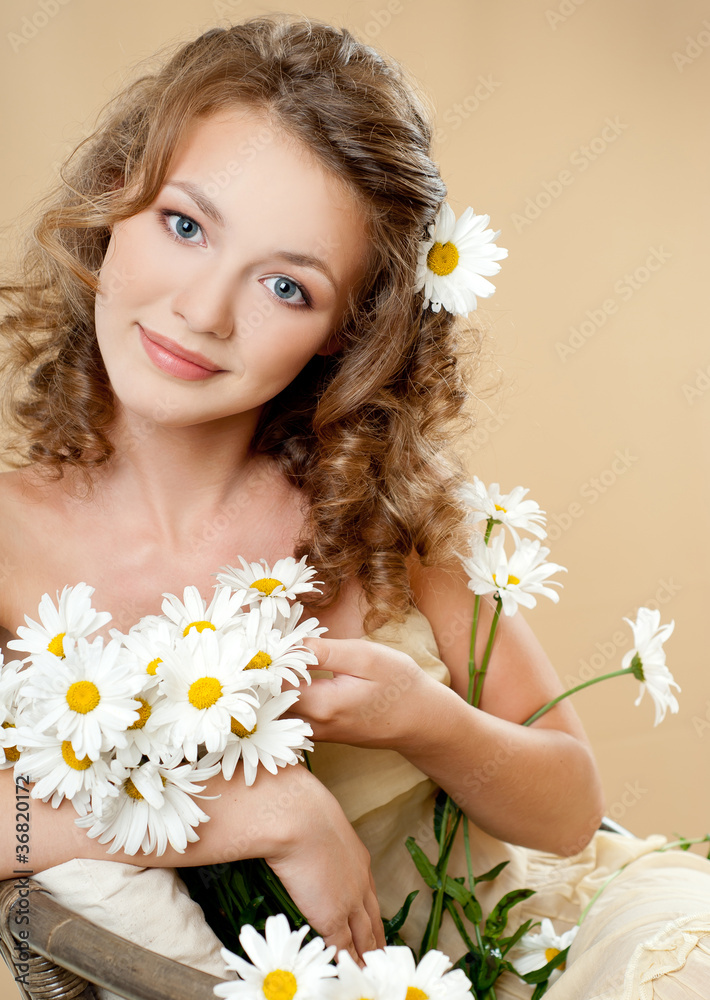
(326, 869)
(374, 699)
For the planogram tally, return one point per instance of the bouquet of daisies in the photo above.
(130, 729)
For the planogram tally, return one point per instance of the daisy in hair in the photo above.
(88, 697)
(155, 807)
(272, 742)
(193, 613)
(273, 588)
(205, 685)
(72, 617)
(281, 967)
(454, 259)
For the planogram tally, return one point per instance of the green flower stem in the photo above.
(579, 687)
(487, 655)
(474, 625)
(431, 937)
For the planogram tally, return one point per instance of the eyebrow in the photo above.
(212, 212)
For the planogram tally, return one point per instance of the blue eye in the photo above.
(288, 290)
(185, 228)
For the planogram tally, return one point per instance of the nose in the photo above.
(206, 301)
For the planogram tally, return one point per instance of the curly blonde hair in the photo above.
(365, 433)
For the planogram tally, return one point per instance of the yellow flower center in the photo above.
(11, 753)
(279, 985)
(143, 714)
(414, 993)
(266, 584)
(550, 953)
(259, 662)
(443, 258)
(511, 579)
(200, 626)
(498, 507)
(71, 758)
(131, 790)
(56, 645)
(83, 697)
(153, 666)
(239, 730)
(204, 692)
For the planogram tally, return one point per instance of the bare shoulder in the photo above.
(520, 679)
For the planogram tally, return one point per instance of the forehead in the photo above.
(263, 180)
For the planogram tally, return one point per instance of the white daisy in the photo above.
(155, 806)
(11, 680)
(273, 657)
(223, 611)
(146, 641)
(205, 687)
(286, 624)
(273, 588)
(144, 738)
(514, 580)
(88, 697)
(536, 950)
(353, 982)
(508, 509)
(429, 980)
(272, 741)
(72, 617)
(453, 260)
(282, 970)
(9, 751)
(647, 661)
(58, 772)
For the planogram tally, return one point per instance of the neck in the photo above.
(175, 478)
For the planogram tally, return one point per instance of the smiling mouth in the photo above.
(170, 357)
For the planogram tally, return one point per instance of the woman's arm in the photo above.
(537, 786)
(290, 819)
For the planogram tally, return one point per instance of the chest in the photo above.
(131, 563)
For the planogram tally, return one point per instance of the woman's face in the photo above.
(213, 298)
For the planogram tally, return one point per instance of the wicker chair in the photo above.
(69, 955)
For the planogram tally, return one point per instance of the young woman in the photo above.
(216, 348)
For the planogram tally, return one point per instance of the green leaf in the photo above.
(394, 924)
(455, 888)
(540, 990)
(543, 974)
(424, 866)
(489, 876)
(439, 807)
(505, 944)
(498, 917)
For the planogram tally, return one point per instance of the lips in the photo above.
(170, 357)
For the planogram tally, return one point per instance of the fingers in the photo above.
(366, 927)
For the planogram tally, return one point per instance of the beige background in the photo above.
(608, 426)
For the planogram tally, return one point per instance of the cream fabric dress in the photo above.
(646, 937)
